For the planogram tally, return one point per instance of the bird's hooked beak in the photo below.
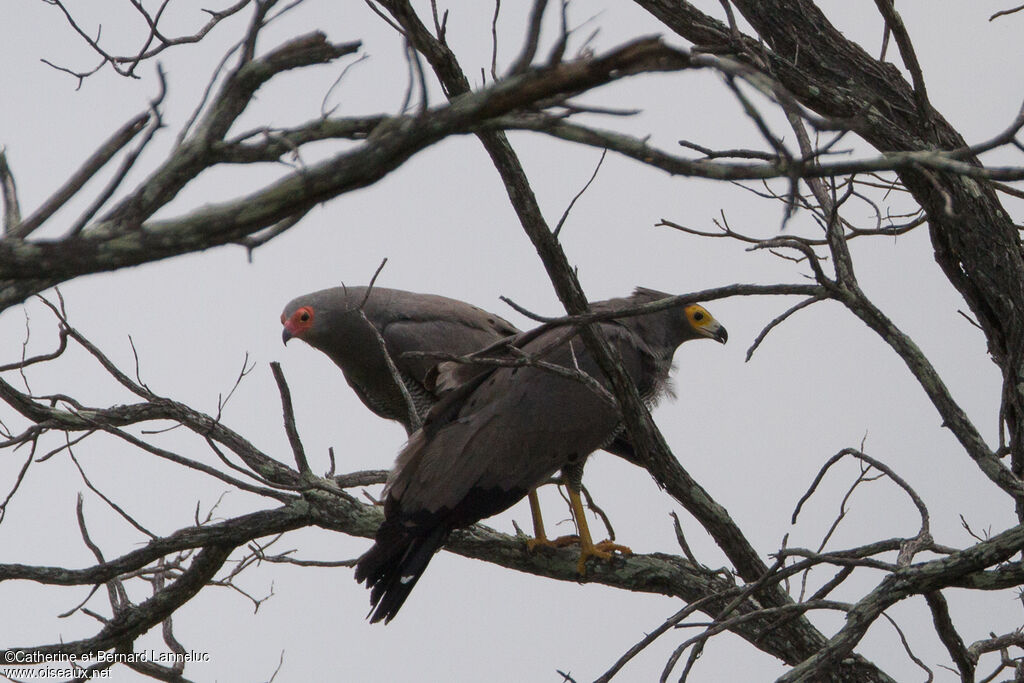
(717, 332)
(287, 333)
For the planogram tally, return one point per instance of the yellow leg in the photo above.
(538, 521)
(540, 537)
(604, 550)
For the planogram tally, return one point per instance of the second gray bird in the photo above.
(495, 438)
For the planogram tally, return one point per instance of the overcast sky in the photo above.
(754, 434)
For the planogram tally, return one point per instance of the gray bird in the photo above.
(501, 434)
(340, 322)
(348, 325)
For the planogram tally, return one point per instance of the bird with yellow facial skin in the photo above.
(496, 437)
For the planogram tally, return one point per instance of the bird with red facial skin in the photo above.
(354, 326)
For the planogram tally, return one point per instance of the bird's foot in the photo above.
(605, 550)
(542, 542)
(613, 547)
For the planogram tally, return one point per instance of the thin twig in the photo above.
(565, 214)
(289, 420)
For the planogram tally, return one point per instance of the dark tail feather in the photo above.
(394, 564)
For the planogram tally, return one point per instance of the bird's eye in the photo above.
(305, 315)
(698, 316)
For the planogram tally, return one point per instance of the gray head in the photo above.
(315, 318)
(667, 329)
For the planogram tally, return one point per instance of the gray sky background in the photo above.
(754, 434)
